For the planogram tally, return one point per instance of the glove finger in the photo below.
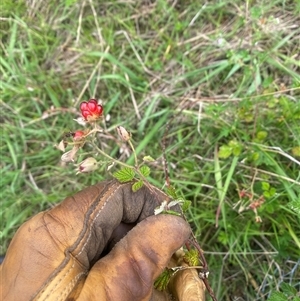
(129, 270)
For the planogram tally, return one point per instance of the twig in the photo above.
(193, 239)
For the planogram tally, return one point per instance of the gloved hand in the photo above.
(68, 252)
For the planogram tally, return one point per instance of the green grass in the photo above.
(226, 75)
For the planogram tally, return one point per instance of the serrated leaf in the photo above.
(192, 257)
(186, 205)
(171, 192)
(145, 170)
(288, 289)
(277, 296)
(125, 174)
(137, 185)
(225, 151)
(163, 279)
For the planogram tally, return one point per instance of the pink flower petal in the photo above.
(83, 106)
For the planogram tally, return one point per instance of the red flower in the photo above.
(91, 110)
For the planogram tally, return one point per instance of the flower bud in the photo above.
(78, 135)
(124, 135)
(87, 165)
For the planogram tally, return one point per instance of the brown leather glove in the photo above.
(65, 253)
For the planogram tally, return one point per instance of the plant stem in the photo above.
(111, 158)
(134, 153)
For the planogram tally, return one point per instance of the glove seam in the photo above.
(72, 248)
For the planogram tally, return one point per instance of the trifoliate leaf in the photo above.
(163, 279)
(125, 174)
(186, 205)
(137, 185)
(145, 170)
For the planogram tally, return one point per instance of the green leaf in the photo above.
(186, 205)
(70, 2)
(267, 194)
(278, 296)
(236, 147)
(254, 157)
(295, 205)
(272, 191)
(261, 135)
(192, 257)
(171, 192)
(148, 159)
(225, 151)
(145, 170)
(163, 279)
(171, 212)
(265, 186)
(288, 289)
(137, 185)
(125, 174)
(296, 151)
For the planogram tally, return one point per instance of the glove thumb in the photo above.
(129, 270)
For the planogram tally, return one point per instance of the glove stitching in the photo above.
(82, 248)
(70, 286)
(93, 221)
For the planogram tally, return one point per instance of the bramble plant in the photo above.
(91, 115)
